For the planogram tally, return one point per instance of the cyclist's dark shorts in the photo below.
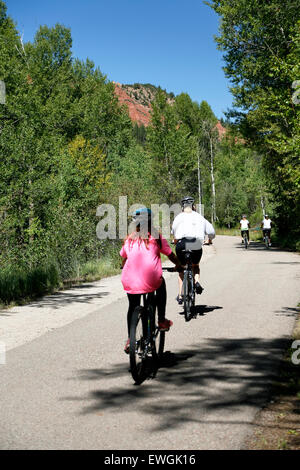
(183, 245)
(247, 232)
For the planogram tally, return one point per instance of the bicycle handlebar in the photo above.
(170, 270)
(173, 269)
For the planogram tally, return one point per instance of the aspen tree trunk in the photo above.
(31, 215)
(199, 182)
(213, 189)
(169, 173)
(262, 203)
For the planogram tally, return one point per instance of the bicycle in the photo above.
(266, 235)
(146, 340)
(188, 286)
(245, 238)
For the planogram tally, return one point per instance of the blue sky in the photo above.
(164, 42)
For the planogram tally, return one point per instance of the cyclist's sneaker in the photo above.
(199, 289)
(126, 349)
(165, 325)
(179, 300)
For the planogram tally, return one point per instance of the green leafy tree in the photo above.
(50, 186)
(261, 44)
(240, 182)
(172, 147)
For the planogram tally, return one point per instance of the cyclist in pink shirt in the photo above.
(142, 270)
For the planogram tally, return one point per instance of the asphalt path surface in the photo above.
(66, 385)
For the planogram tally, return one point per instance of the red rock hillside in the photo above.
(140, 113)
(221, 130)
(137, 112)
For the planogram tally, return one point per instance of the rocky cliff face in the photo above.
(138, 99)
(221, 130)
(138, 112)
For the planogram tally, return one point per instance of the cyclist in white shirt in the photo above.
(245, 225)
(266, 225)
(189, 229)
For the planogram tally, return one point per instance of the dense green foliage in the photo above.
(67, 146)
(62, 133)
(261, 44)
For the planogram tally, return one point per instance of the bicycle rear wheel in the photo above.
(267, 241)
(188, 296)
(138, 340)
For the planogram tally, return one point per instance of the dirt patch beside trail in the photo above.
(277, 426)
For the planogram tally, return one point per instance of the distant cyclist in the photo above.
(142, 270)
(266, 226)
(189, 229)
(245, 226)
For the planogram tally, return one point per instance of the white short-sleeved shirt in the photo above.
(192, 225)
(244, 224)
(267, 223)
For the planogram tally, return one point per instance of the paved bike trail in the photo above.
(69, 387)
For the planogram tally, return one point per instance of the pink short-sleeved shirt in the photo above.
(142, 272)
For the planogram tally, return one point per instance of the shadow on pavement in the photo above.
(215, 377)
(288, 312)
(260, 246)
(286, 262)
(62, 298)
(201, 310)
(257, 246)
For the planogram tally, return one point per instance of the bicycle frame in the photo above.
(189, 269)
(188, 276)
(188, 280)
(266, 237)
(245, 237)
(152, 330)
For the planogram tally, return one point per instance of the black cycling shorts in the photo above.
(247, 232)
(188, 244)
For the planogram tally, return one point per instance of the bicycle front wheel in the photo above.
(138, 340)
(159, 345)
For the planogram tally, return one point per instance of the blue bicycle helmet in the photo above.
(143, 211)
